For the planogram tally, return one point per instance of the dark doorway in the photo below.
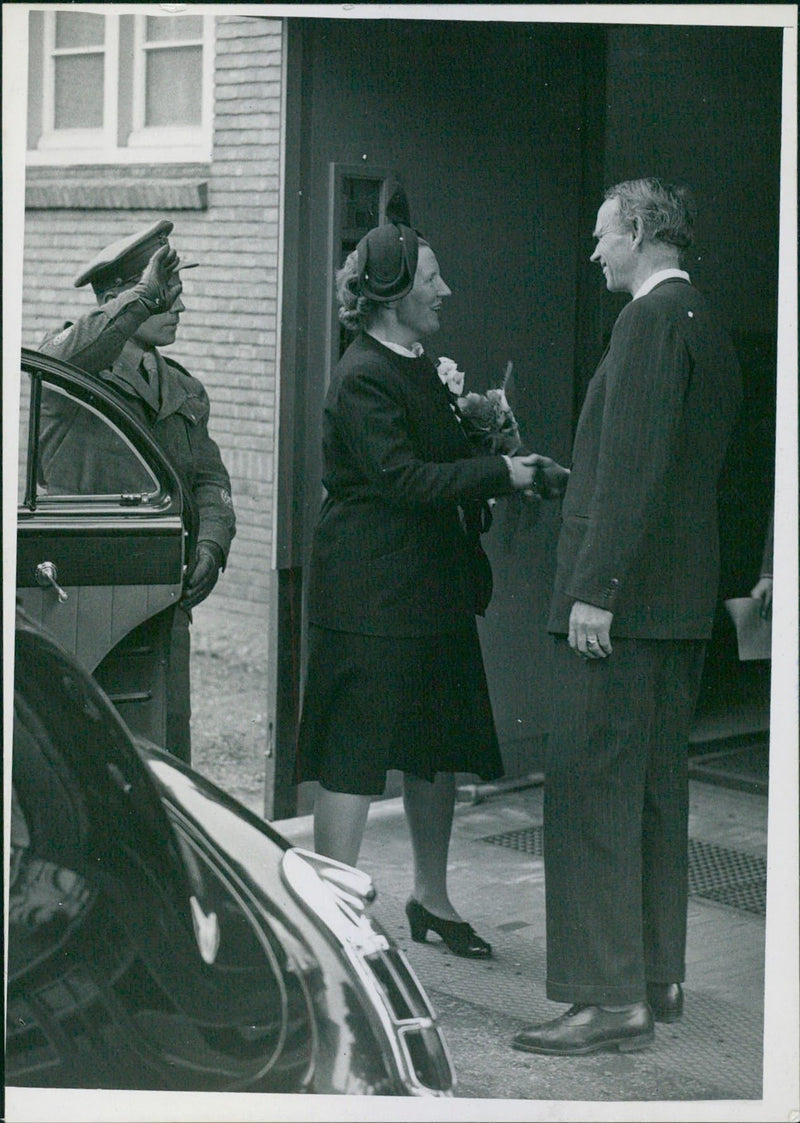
(504, 136)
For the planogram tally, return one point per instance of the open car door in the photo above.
(101, 541)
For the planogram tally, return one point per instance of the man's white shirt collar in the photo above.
(656, 279)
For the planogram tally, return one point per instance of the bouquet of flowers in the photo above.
(487, 418)
(491, 426)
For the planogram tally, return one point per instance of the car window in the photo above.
(80, 452)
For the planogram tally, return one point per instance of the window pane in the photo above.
(79, 92)
(361, 206)
(360, 209)
(173, 87)
(82, 453)
(162, 28)
(76, 30)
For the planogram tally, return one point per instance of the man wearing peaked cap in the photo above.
(136, 281)
(123, 262)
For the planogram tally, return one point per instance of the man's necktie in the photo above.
(150, 368)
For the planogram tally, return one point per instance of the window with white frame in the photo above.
(119, 87)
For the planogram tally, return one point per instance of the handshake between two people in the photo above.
(534, 474)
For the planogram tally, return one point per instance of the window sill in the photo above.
(118, 194)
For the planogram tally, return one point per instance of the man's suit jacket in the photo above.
(391, 555)
(639, 531)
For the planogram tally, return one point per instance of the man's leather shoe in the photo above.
(666, 1001)
(589, 1029)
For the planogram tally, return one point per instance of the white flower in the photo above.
(451, 376)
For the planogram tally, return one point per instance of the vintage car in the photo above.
(160, 936)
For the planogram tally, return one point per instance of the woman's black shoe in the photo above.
(459, 936)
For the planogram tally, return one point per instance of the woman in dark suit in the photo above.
(395, 673)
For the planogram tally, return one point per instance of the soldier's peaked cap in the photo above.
(123, 262)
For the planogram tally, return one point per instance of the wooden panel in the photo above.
(61, 620)
(93, 620)
(134, 675)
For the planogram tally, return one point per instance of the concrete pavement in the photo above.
(714, 1054)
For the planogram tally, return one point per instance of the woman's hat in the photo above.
(387, 261)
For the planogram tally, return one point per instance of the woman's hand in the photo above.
(522, 470)
(547, 478)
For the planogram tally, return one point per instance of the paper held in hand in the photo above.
(753, 632)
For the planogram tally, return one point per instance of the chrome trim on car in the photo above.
(337, 895)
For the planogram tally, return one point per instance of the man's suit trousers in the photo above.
(616, 815)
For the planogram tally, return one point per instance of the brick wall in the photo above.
(226, 217)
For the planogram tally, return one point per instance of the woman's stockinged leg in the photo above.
(339, 820)
(429, 812)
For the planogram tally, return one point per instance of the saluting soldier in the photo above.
(137, 284)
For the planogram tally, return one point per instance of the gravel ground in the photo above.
(229, 703)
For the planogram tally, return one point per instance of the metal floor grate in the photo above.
(728, 876)
(716, 873)
(528, 839)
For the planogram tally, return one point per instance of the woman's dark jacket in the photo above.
(396, 550)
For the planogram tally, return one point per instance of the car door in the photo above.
(100, 534)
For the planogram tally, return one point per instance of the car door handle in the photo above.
(47, 574)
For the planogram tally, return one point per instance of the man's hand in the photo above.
(203, 576)
(550, 478)
(589, 629)
(762, 591)
(537, 475)
(160, 284)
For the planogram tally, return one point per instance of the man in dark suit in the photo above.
(634, 598)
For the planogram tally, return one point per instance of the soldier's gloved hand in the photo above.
(160, 284)
(203, 576)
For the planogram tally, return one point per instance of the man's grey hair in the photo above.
(665, 210)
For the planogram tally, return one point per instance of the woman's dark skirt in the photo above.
(371, 703)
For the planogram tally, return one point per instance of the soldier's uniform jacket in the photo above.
(169, 402)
